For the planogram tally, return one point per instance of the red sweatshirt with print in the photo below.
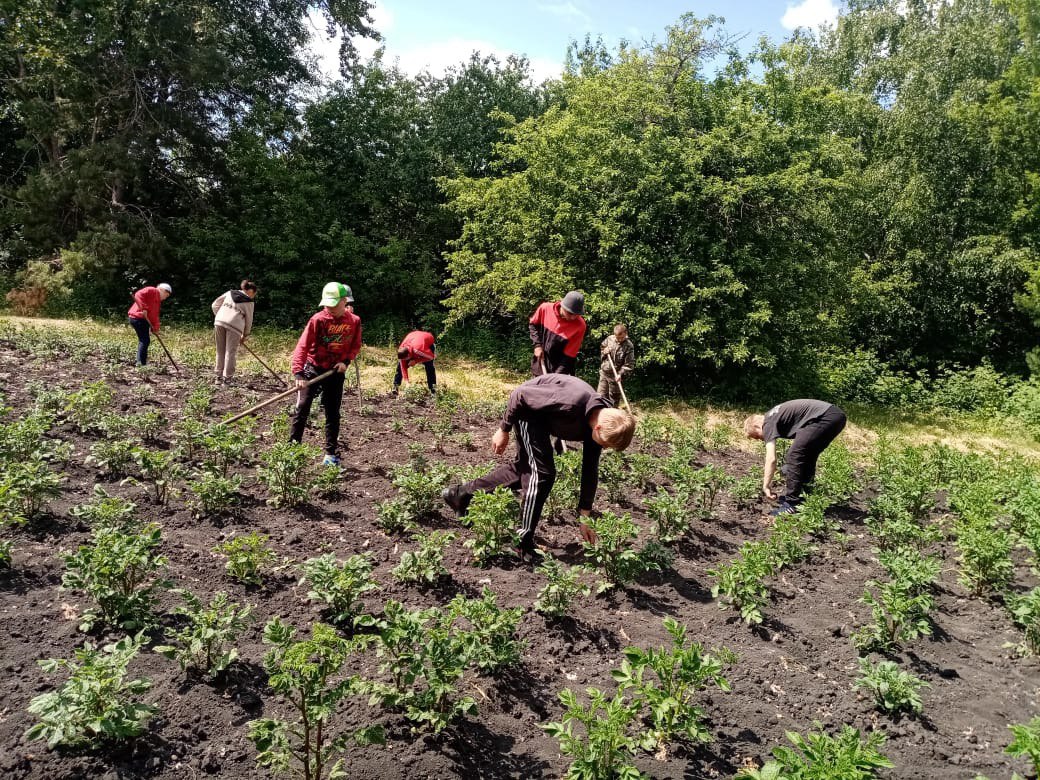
(326, 341)
(420, 346)
(147, 302)
(560, 340)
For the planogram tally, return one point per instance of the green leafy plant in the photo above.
(328, 483)
(394, 516)
(25, 438)
(25, 486)
(563, 587)
(1025, 611)
(425, 565)
(613, 552)
(892, 688)
(492, 629)
(198, 401)
(899, 615)
(493, 519)
(339, 586)
(1026, 742)
(741, 582)
(230, 445)
(984, 557)
(564, 495)
(248, 557)
(643, 468)
(598, 736)
(666, 680)
(284, 470)
(114, 456)
(705, 485)
(670, 515)
(746, 491)
(119, 570)
(612, 476)
(97, 703)
(309, 675)
(425, 656)
(207, 641)
(87, 407)
(212, 493)
(189, 435)
(159, 471)
(818, 756)
(420, 488)
(149, 426)
(105, 510)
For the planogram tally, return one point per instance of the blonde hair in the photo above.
(753, 426)
(619, 329)
(616, 428)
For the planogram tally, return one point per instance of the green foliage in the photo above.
(97, 704)
(119, 571)
(425, 565)
(25, 486)
(104, 510)
(666, 680)
(597, 736)
(564, 495)
(213, 493)
(1025, 611)
(231, 445)
(899, 608)
(248, 557)
(745, 491)
(564, 585)
(425, 656)
(149, 425)
(87, 407)
(309, 675)
(613, 553)
(284, 470)
(116, 457)
(189, 436)
(492, 517)
(1026, 742)
(26, 437)
(207, 641)
(642, 467)
(818, 756)
(339, 586)
(836, 475)
(159, 471)
(892, 688)
(741, 582)
(492, 631)
(328, 483)
(612, 476)
(670, 515)
(705, 485)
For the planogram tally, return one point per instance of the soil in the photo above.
(794, 670)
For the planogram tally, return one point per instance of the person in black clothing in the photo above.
(813, 425)
(550, 405)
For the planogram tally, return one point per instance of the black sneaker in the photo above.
(527, 555)
(456, 499)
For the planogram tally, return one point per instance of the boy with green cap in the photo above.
(331, 340)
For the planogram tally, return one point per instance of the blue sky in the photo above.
(425, 35)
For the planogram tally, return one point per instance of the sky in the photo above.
(433, 35)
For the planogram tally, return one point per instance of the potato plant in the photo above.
(97, 704)
(339, 586)
(1026, 742)
(231, 445)
(120, 571)
(670, 515)
(426, 565)
(600, 737)
(818, 756)
(741, 582)
(248, 557)
(105, 510)
(309, 675)
(87, 407)
(213, 493)
(492, 629)
(158, 471)
(614, 555)
(564, 586)
(892, 689)
(206, 642)
(25, 486)
(284, 470)
(116, 457)
(493, 519)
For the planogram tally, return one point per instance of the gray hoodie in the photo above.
(234, 311)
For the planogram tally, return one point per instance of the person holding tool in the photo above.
(331, 339)
(417, 348)
(233, 321)
(144, 316)
(557, 330)
(813, 425)
(617, 360)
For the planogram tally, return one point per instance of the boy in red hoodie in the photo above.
(417, 348)
(331, 340)
(557, 330)
(144, 316)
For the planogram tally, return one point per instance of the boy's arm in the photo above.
(769, 469)
(404, 370)
(303, 348)
(535, 327)
(630, 362)
(154, 302)
(249, 320)
(217, 304)
(590, 452)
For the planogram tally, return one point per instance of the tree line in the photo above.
(806, 213)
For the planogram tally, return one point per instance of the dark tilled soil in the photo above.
(794, 670)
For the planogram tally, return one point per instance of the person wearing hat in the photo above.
(330, 341)
(233, 321)
(557, 330)
(144, 316)
(417, 348)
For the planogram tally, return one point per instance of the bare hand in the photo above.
(499, 442)
(587, 534)
(341, 368)
(769, 493)
(301, 383)
(538, 352)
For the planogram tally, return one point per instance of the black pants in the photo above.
(331, 391)
(533, 471)
(143, 329)
(431, 375)
(800, 462)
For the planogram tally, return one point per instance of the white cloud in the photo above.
(810, 14)
(326, 49)
(437, 56)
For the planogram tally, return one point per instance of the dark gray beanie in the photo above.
(574, 302)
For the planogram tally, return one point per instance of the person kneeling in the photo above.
(549, 405)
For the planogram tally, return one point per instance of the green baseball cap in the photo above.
(333, 292)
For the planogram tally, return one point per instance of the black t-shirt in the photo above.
(784, 420)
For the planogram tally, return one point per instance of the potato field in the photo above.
(184, 600)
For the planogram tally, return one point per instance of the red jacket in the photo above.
(420, 346)
(326, 341)
(146, 306)
(560, 341)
